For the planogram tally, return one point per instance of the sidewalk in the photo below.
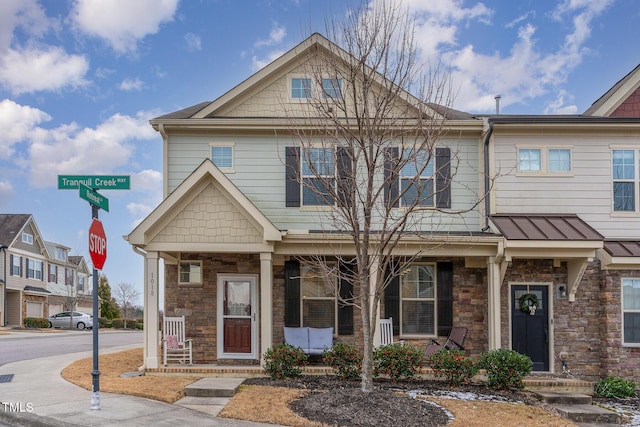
(38, 396)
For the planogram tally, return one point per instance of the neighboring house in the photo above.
(234, 228)
(23, 269)
(67, 278)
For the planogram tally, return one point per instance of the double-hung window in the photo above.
(34, 269)
(69, 273)
(625, 180)
(16, 265)
(300, 87)
(416, 179)
(544, 160)
(222, 156)
(529, 160)
(81, 283)
(318, 176)
(190, 272)
(418, 300)
(53, 273)
(332, 88)
(631, 311)
(319, 301)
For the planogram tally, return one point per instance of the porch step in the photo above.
(564, 398)
(569, 385)
(213, 387)
(590, 414)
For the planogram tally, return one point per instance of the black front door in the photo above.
(530, 327)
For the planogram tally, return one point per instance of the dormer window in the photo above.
(27, 238)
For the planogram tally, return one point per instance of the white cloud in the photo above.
(25, 14)
(258, 63)
(149, 183)
(122, 23)
(17, 123)
(70, 149)
(276, 36)
(6, 193)
(131, 84)
(27, 71)
(194, 42)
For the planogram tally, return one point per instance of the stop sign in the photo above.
(97, 244)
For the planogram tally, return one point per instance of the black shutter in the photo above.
(292, 293)
(391, 179)
(443, 177)
(345, 180)
(26, 268)
(345, 311)
(445, 298)
(292, 186)
(392, 302)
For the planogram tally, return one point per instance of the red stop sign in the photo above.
(97, 244)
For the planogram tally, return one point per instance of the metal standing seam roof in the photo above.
(544, 227)
(622, 248)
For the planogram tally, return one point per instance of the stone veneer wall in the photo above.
(198, 303)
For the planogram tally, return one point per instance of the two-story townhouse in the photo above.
(67, 278)
(23, 269)
(567, 203)
(236, 228)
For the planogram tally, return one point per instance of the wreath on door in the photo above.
(529, 303)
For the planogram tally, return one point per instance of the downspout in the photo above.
(165, 159)
(487, 203)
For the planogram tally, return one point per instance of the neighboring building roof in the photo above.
(622, 248)
(10, 226)
(36, 289)
(544, 227)
(607, 103)
(185, 113)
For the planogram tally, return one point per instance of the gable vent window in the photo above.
(27, 238)
(300, 88)
(222, 156)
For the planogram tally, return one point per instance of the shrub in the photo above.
(505, 368)
(118, 323)
(344, 359)
(454, 365)
(103, 322)
(284, 361)
(35, 322)
(397, 361)
(615, 387)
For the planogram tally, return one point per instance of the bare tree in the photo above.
(127, 296)
(369, 150)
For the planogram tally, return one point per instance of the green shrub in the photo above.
(139, 326)
(615, 387)
(397, 361)
(505, 368)
(284, 361)
(103, 322)
(118, 323)
(344, 359)
(454, 365)
(36, 322)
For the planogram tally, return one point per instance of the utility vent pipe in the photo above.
(497, 97)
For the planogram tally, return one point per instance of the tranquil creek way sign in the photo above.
(95, 182)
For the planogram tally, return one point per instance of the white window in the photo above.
(53, 273)
(190, 272)
(318, 176)
(625, 180)
(27, 238)
(81, 283)
(300, 88)
(544, 160)
(418, 300)
(68, 276)
(222, 156)
(61, 254)
(416, 179)
(16, 265)
(319, 302)
(35, 269)
(631, 312)
(332, 88)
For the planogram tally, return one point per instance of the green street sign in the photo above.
(94, 198)
(95, 182)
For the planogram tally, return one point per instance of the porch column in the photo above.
(494, 280)
(266, 302)
(375, 265)
(151, 311)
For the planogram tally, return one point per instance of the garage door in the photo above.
(55, 309)
(34, 309)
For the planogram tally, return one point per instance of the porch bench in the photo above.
(313, 341)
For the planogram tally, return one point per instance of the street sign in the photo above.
(97, 244)
(95, 182)
(94, 198)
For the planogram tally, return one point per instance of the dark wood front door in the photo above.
(530, 329)
(238, 316)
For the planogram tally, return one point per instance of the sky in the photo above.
(80, 79)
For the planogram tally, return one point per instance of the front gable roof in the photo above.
(13, 225)
(622, 100)
(206, 208)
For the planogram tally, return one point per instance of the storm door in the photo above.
(530, 323)
(236, 317)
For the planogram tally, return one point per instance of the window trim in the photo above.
(17, 258)
(432, 178)
(33, 270)
(434, 299)
(334, 298)
(304, 176)
(544, 160)
(230, 145)
(317, 89)
(27, 238)
(635, 181)
(623, 311)
(190, 282)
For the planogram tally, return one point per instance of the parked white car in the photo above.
(62, 320)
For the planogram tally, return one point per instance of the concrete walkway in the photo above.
(37, 395)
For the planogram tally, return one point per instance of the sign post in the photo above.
(87, 186)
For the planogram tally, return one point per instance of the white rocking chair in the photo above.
(176, 347)
(386, 331)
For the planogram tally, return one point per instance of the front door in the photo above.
(237, 317)
(530, 326)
